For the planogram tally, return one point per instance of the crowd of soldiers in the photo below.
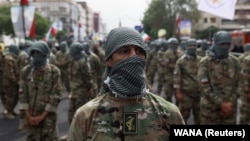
(202, 76)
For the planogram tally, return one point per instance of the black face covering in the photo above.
(38, 59)
(222, 41)
(127, 78)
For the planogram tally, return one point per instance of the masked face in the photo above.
(191, 50)
(127, 78)
(38, 59)
(222, 50)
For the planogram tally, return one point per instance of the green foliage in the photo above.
(206, 33)
(60, 35)
(5, 21)
(162, 14)
(41, 24)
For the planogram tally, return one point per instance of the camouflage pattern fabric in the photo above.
(245, 96)
(107, 118)
(170, 59)
(185, 78)
(219, 80)
(41, 90)
(10, 82)
(2, 95)
(62, 62)
(161, 69)
(81, 82)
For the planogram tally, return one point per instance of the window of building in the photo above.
(45, 9)
(205, 20)
(62, 9)
(213, 20)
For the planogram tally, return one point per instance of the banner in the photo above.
(22, 23)
(185, 29)
(221, 8)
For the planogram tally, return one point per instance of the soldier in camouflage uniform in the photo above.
(40, 93)
(10, 80)
(246, 53)
(202, 50)
(80, 77)
(170, 58)
(96, 66)
(161, 65)
(245, 96)
(23, 60)
(151, 68)
(219, 79)
(125, 110)
(62, 62)
(186, 84)
(3, 98)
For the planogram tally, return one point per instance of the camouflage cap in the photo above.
(120, 37)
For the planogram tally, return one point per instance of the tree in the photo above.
(162, 14)
(41, 24)
(206, 33)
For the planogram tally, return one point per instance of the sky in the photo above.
(129, 12)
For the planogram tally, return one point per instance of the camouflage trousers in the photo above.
(188, 105)
(244, 111)
(45, 131)
(169, 91)
(11, 96)
(161, 82)
(210, 114)
(74, 104)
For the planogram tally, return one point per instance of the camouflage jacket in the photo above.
(107, 118)
(219, 79)
(10, 70)
(185, 74)
(80, 78)
(40, 89)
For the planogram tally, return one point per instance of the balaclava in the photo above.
(86, 47)
(205, 45)
(173, 44)
(27, 45)
(39, 59)
(191, 51)
(221, 51)
(63, 46)
(76, 51)
(247, 47)
(14, 50)
(125, 79)
(164, 45)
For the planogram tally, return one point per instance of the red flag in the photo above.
(33, 29)
(24, 2)
(177, 24)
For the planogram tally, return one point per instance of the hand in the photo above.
(31, 120)
(178, 95)
(226, 109)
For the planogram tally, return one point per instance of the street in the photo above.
(9, 128)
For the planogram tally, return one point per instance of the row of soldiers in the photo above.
(204, 78)
(79, 63)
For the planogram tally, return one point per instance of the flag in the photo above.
(177, 24)
(221, 8)
(51, 34)
(33, 29)
(22, 25)
(145, 36)
(54, 28)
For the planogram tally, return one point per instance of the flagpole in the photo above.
(23, 3)
(23, 19)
